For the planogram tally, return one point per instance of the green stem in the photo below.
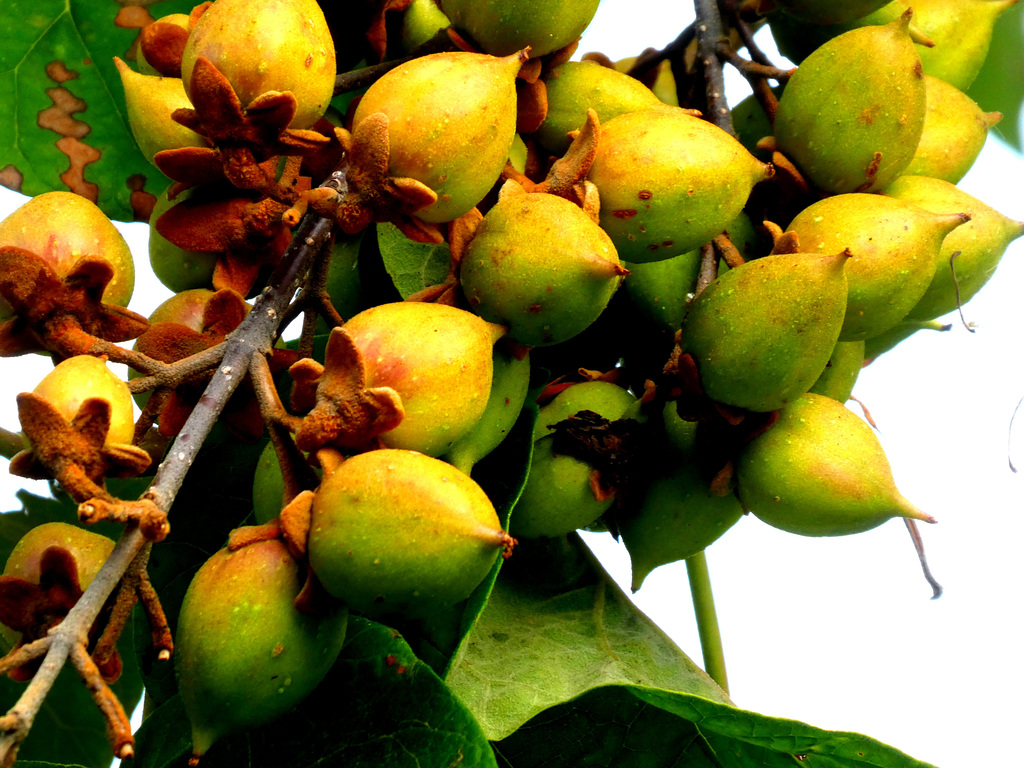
(10, 443)
(707, 619)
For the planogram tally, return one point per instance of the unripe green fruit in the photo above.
(820, 471)
(81, 378)
(841, 371)
(502, 27)
(894, 245)
(962, 32)
(267, 487)
(541, 267)
(420, 22)
(399, 533)
(178, 269)
(904, 330)
(244, 654)
(669, 182)
(509, 385)
(438, 359)
(981, 242)
(452, 117)
(954, 132)
(267, 45)
(851, 116)
(575, 87)
(829, 11)
(659, 292)
(558, 497)
(762, 333)
(150, 102)
(751, 125)
(63, 228)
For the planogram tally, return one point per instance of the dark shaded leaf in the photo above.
(999, 86)
(379, 706)
(413, 266)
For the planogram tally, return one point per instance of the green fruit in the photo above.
(962, 32)
(575, 87)
(420, 22)
(344, 285)
(62, 228)
(678, 515)
(762, 333)
(558, 496)
(267, 487)
(659, 292)
(894, 245)
(398, 533)
(509, 386)
(267, 45)
(669, 182)
(751, 125)
(904, 330)
(438, 359)
(981, 242)
(541, 267)
(452, 118)
(178, 269)
(150, 102)
(954, 132)
(244, 654)
(841, 371)
(502, 27)
(829, 11)
(82, 378)
(851, 116)
(820, 471)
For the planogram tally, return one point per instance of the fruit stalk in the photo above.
(707, 619)
(709, 33)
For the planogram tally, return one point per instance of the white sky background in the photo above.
(840, 632)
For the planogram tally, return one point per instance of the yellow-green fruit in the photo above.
(452, 117)
(558, 496)
(398, 533)
(851, 116)
(980, 242)
(954, 132)
(829, 11)
(762, 333)
(575, 87)
(177, 19)
(150, 102)
(678, 515)
(178, 269)
(820, 471)
(501, 27)
(669, 182)
(841, 371)
(267, 45)
(420, 22)
(752, 125)
(509, 386)
(541, 267)
(659, 291)
(244, 655)
(962, 32)
(62, 228)
(438, 359)
(81, 378)
(894, 245)
(904, 330)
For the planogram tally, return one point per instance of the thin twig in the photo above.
(651, 58)
(360, 78)
(708, 268)
(751, 68)
(709, 34)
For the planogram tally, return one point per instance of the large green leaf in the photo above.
(413, 266)
(999, 86)
(379, 706)
(582, 672)
(65, 124)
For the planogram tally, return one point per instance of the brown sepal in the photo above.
(531, 105)
(163, 43)
(568, 174)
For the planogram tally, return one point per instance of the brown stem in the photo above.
(119, 728)
(709, 35)
(252, 337)
(360, 78)
(651, 58)
(708, 268)
(172, 374)
(751, 68)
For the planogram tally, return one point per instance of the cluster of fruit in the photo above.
(604, 263)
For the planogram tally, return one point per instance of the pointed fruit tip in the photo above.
(908, 510)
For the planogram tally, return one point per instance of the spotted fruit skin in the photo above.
(82, 377)
(268, 45)
(244, 655)
(502, 27)
(395, 532)
(541, 267)
(438, 359)
(820, 471)
(852, 114)
(62, 228)
(669, 182)
(452, 118)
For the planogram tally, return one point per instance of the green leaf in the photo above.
(39, 764)
(596, 683)
(379, 706)
(413, 266)
(999, 86)
(66, 126)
